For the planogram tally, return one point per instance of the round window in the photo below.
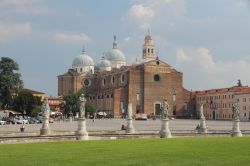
(86, 82)
(156, 77)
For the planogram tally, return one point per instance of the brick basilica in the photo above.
(111, 84)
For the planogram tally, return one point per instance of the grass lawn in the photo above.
(157, 152)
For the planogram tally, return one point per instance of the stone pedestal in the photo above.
(81, 133)
(165, 132)
(45, 130)
(130, 128)
(236, 129)
(71, 119)
(203, 128)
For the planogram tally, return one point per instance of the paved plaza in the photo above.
(115, 125)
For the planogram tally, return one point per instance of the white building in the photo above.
(243, 98)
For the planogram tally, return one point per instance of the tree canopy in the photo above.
(72, 104)
(25, 101)
(10, 81)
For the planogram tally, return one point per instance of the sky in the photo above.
(208, 41)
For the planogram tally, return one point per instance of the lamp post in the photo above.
(174, 104)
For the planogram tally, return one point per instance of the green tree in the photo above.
(89, 109)
(72, 104)
(26, 101)
(10, 81)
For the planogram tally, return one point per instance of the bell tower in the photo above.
(148, 50)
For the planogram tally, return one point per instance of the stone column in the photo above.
(236, 121)
(45, 130)
(81, 133)
(165, 132)
(130, 128)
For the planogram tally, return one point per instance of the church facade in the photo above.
(111, 84)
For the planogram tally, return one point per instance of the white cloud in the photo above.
(155, 12)
(243, 3)
(140, 13)
(17, 2)
(181, 56)
(72, 38)
(203, 72)
(9, 31)
(32, 10)
(127, 39)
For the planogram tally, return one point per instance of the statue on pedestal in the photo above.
(45, 130)
(165, 132)
(236, 121)
(202, 128)
(81, 133)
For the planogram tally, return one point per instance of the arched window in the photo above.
(156, 77)
(112, 79)
(104, 82)
(122, 78)
(148, 50)
(152, 50)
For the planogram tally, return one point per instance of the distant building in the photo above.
(69, 82)
(243, 98)
(111, 84)
(55, 103)
(41, 95)
(217, 103)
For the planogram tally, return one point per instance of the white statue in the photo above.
(82, 106)
(164, 109)
(236, 112)
(45, 130)
(201, 112)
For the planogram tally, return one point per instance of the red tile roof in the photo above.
(224, 90)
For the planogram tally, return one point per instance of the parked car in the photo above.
(33, 120)
(141, 117)
(11, 120)
(21, 120)
(101, 114)
(2, 122)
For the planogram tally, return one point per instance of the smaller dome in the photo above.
(83, 60)
(104, 63)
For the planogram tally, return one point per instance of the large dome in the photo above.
(83, 60)
(115, 55)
